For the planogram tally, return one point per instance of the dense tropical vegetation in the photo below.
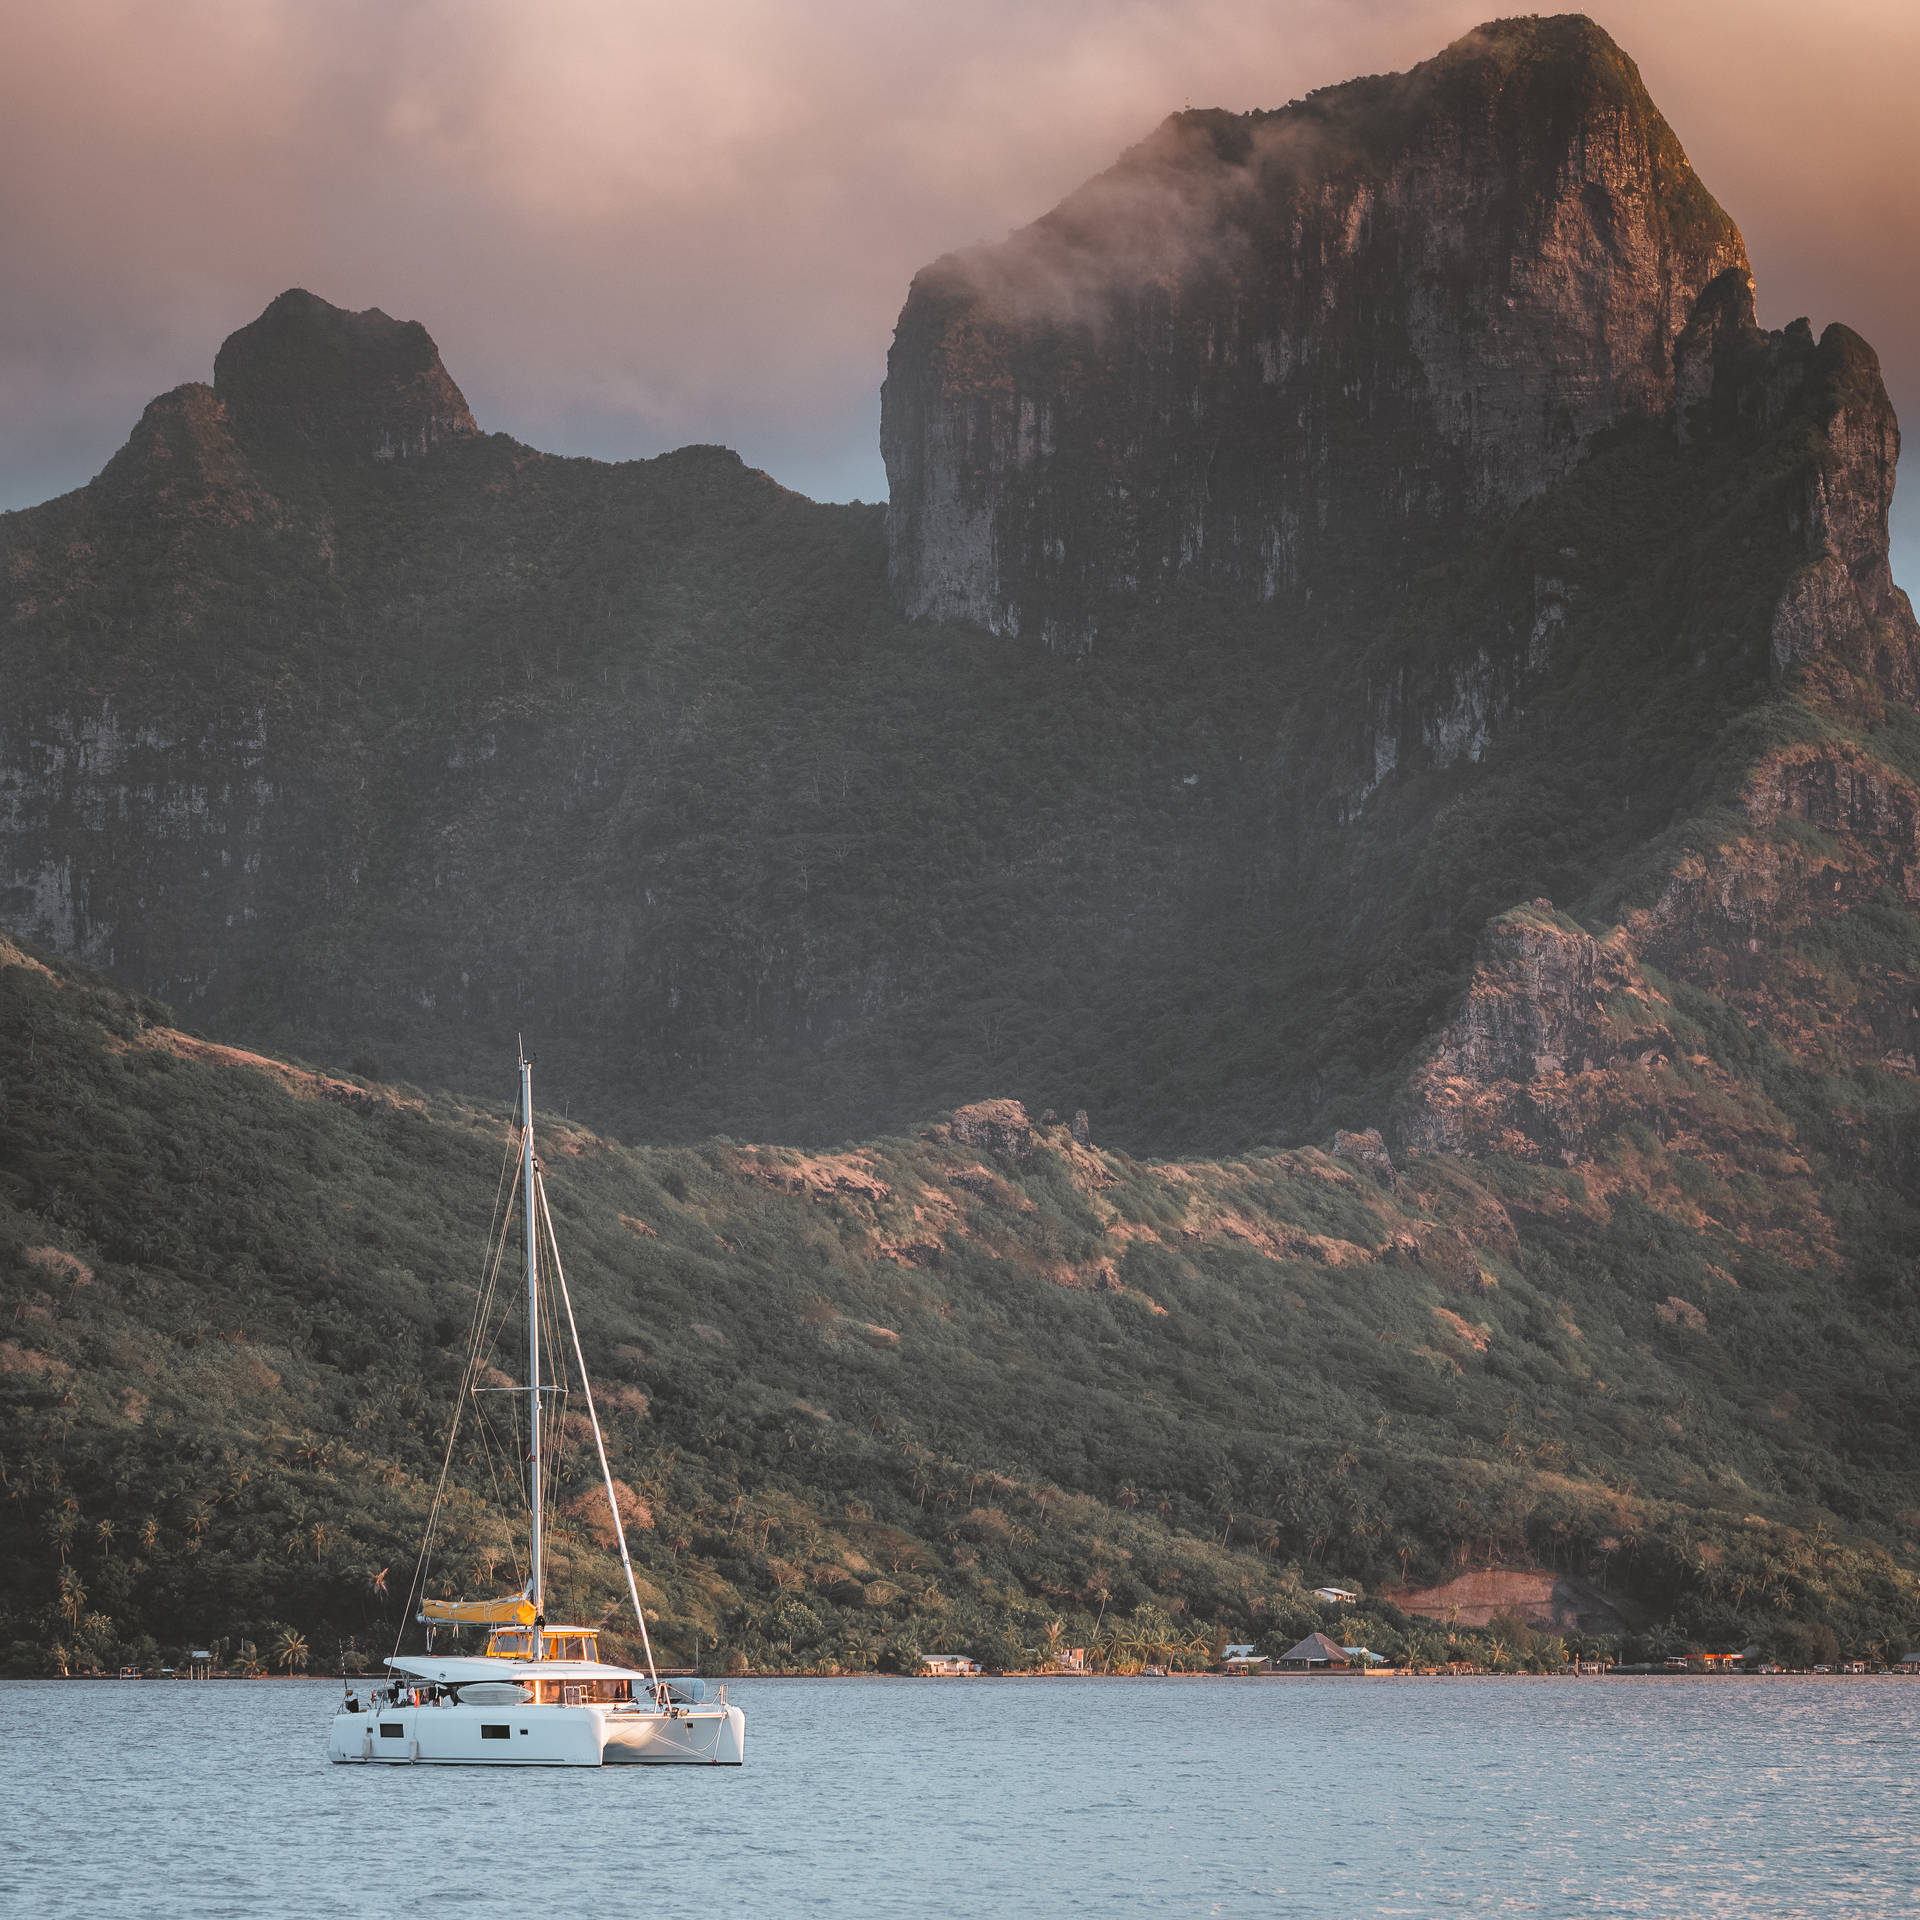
(921, 1395)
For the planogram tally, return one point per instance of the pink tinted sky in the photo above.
(631, 224)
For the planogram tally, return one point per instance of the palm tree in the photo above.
(59, 1528)
(291, 1651)
(73, 1596)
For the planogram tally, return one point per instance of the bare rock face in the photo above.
(1266, 347)
(1532, 1013)
(310, 378)
(1367, 1151)
(1564, 1043)
(1000, 1126)
(1548, 1602)
(1839, 605)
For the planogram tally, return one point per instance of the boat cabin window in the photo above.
(516, 1643)
(580, 1693)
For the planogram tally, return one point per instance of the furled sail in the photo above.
(514, 1611)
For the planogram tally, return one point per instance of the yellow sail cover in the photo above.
(514, 1612)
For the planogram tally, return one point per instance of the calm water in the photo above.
(1320, 1797)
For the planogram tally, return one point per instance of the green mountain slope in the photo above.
(944, 1389)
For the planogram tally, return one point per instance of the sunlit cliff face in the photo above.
(634, 225)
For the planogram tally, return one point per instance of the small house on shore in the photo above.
(1316, 1654)
(949, 1663)
(1245, 1658)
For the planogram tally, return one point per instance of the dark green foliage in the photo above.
(887, 1402)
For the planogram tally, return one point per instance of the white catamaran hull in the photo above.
(541, 1736)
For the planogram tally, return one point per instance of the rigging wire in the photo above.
(511, 1456)
(483, 1295)
(599, 1445)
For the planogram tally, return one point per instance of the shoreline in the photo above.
(1377, 1673)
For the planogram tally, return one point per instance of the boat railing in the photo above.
(696, 1693)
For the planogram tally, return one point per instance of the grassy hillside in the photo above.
(915, 1394)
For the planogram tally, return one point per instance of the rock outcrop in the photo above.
(1367, 1151)
(998, 1126)
(1734, 382)
(1799, 929)
(311, 379)
(1268, 348)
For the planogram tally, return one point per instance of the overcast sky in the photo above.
(631, 224)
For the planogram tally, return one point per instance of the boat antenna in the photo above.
(537, 1586)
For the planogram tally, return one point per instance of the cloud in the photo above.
(630, 224)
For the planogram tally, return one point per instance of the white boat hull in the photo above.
(540, 1736)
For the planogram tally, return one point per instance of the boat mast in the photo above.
(538, 1586)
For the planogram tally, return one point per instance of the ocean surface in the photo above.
(998, 1797)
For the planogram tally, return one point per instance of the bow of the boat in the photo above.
(713, 1737)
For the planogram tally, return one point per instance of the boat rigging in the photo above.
(540, 1695)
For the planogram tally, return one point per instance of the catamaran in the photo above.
(540, 1695)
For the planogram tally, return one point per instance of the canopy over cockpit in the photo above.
(555, 1643)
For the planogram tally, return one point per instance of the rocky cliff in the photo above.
(1268, 348)
(357, 733)
(1794, 912)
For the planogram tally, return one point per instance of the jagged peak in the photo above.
(183, 460)
(311, 378)
(1536, 91)
(1470, 268)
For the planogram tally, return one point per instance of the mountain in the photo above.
(947, 1388)
(1371, 643)
(1266, 349)
(360, 735)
